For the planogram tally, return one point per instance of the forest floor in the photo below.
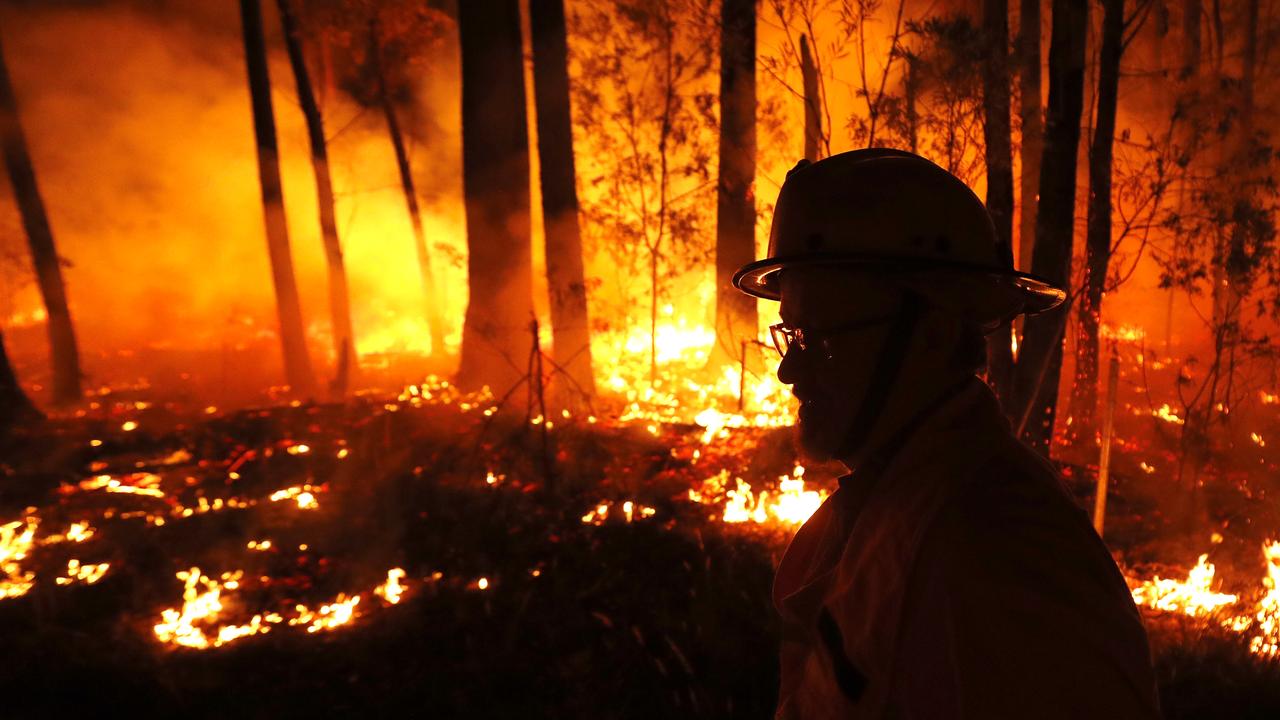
(413, 554)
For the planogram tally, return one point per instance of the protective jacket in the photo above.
(954, 577)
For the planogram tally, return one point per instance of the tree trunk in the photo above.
(566, 281)
(63, 350)
(997, 136)
(339, 302)
(735, 208)
(1237, 262)
(1191, 10)
(297, 363)
(431, 293)
(1032, 127)
(1084, 393)
(812, 104)
(15, 407)
(911, 94)
(495, 172)
(1040, 363)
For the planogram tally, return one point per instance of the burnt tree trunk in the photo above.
(1040, 362)
(1191, 10)
(910, 96)
(15, 407)
(63, 349)
(1032, 117)
(812, 104)
(735, 206)
(566, 281)
(430, 288)
(1241, 252)
(1084, 391)
(297, 363)
(495, 175)
(339, 301)
(997, 136)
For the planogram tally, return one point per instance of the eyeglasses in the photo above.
(786, 336)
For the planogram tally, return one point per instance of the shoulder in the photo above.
(1026, 600)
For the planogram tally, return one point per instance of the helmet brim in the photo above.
(984, 295)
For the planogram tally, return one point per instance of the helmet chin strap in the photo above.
(884, 376)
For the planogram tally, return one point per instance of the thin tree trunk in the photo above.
(566, 281)
(15, 407)
(911, 93)
(63, 349)
(1191, 10)
(1237, 263)
(997, 135)
(1031, 114)
(339, 302)
(1084, 392)
(430, 288)
(495, 170)
(1040, 361)
(297, 362)
(735, 206)
(812, 104)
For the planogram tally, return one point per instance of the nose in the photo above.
(789, 368)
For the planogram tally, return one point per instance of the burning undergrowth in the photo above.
(436, 548)
(423, 543)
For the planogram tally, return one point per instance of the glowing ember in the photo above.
(335, 614)
(78, 532)
(136, 484)
(303, 495)
(392, 589)
(630, 511)
(201, 603)
(85, 573)
(1166, 413)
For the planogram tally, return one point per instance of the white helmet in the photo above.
(906, 218)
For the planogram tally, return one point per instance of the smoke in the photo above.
(138, 119)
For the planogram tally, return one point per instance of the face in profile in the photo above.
(845, 317)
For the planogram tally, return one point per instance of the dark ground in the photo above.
(663, 617)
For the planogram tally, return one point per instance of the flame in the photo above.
(630, 511)
(1194, 597)
(303, 495)
(196, 624)
(791, 505)
(137, 484)
(16, 541)
(335, 614)
(1265, 621)
(392, 589)
(85, 573)
(1122, 333)
(1166, 413)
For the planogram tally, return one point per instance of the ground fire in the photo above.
(360, 357)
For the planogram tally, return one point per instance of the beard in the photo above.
(820, 430)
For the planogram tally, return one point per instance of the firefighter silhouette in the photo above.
(950, 575)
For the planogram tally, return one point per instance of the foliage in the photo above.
(643, 86)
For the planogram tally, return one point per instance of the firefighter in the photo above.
(950, 575)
